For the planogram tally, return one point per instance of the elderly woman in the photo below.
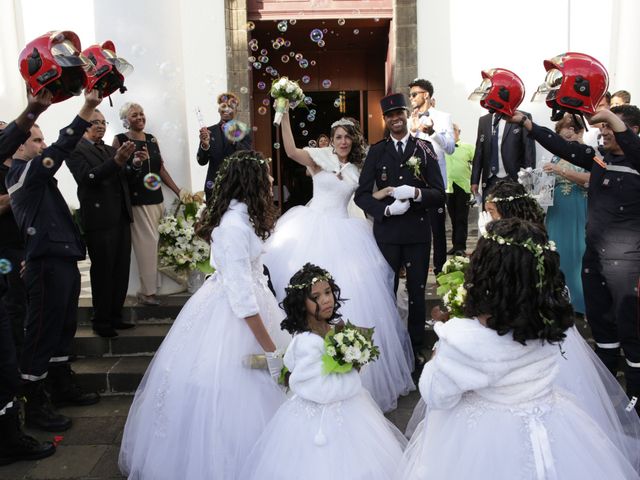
(146, 197)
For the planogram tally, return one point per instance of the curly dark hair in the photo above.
(501, 282)
(525, 207)
(630, 114)
(243, 176)
(294, 302)
(358, 146)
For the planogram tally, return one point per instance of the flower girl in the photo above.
(493, 409)
(330, 428)
(198, 410)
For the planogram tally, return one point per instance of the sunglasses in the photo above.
(413, 94)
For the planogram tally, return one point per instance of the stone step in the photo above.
(133, 312)
(111, 375)
(142, 340)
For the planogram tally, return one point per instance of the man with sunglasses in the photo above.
(436, 127)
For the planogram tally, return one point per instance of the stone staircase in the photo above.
(115, 366)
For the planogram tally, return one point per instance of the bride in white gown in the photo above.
(198, 410)
(325, 235)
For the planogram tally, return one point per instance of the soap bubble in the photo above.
(356, 31)
(168, 70)
(298, 57)
(282, 25)
(308, 100)
(268, 69)
(264, 51)
(5, 266)
(251, 59)
(257, 65)
(326, 83)
(31, 231)
(250, 26)
(306, 79)
(321, 43)
(209, 184)
(287, 43)
(301, 124)
(274, 72)
(262, 110)
(312, 143)
(336, 103)
(235, 130)
(312, 111)
(275, 45)
(138, 50)
(293, 21)
(48, 162)
(311, 118)
(292, 54)
(305, 133)
(313, 63)
(266, 102)
(341, 21)
(284, 58)
(264, 59)
(152, 181)
(304, 63)
(244, 89)
(254, 47)
(276, 145)
(324, 30)
(262, 85)
(316, 35)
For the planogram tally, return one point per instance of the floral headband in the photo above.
(324, 277)
(342, 123)
(511, 198)
(535, 248)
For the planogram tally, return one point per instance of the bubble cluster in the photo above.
(152, 181)
(235, 130)
(5, 266)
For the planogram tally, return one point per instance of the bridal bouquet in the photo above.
(284, 90)
(180, 249)
(347, 347)
(451, 285)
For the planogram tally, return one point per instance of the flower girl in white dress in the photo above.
(324, 234)
(330, 428)
(198, 410)
(494, 410)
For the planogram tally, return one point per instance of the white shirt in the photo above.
(441, 138)
(502, 123)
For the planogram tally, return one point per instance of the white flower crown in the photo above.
(343, 122)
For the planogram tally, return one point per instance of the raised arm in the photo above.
(294, 153)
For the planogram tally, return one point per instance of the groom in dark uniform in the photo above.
(401, 220)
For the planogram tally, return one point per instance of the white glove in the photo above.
(398, 207)
(275, 363)
(483, 218)
(404, 192)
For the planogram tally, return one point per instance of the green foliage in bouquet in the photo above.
(451, 285)
(347, 347)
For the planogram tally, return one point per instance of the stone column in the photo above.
(406, 43)
(238, 75)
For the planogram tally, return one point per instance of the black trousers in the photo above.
(437, 219)
(415, 258)
(612, 304)
(9, 373)
(110, 254)
(15, 298)
(458, 206)
(53, 288)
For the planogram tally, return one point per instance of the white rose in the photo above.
(290, 88)
(352, 354)
(331, 351)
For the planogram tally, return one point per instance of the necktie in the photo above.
(99, 146)
(495, 148)
(399, 146)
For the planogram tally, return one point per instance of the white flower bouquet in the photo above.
(451, 285)
(284, 90)
(347, 347)
(180, 249)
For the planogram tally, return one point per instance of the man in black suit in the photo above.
(52, 249)
(491, 163)
(401, 221)
(105, 212)
(214, 145)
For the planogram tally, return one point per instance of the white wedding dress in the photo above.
(198, 410)
(495, 413)
(330, 428)
(325, 235)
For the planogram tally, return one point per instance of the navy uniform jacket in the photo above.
(40, 210)
(613, 214)
(103, 188)
(384, 168)
(219, 149)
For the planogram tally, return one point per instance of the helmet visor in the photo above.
(481, 92)
(551, 84)
(66, 55)
(120, 64)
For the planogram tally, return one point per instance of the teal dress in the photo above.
(566, 221)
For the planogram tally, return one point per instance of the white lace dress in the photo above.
(198, 410)
(495, 413)
(330, 428)
(325, 235)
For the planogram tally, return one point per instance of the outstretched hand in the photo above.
(36, 104)
(124, 152)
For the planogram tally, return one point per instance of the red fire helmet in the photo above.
(109, 69)
(501, 91)
(54, 61)
(575, 83)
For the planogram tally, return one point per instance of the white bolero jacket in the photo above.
(304, 361)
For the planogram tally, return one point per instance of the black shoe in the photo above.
(122, 325)
(451, 251)
(15, 445)
(39, 412)
(460, 253)
(64, 389)
(105, 331)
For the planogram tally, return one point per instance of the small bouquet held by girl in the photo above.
(285, 90)
(451, 289)
(330, 416)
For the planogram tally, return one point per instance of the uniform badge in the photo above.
(516, 131)
(482, 137)
(383, 176)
